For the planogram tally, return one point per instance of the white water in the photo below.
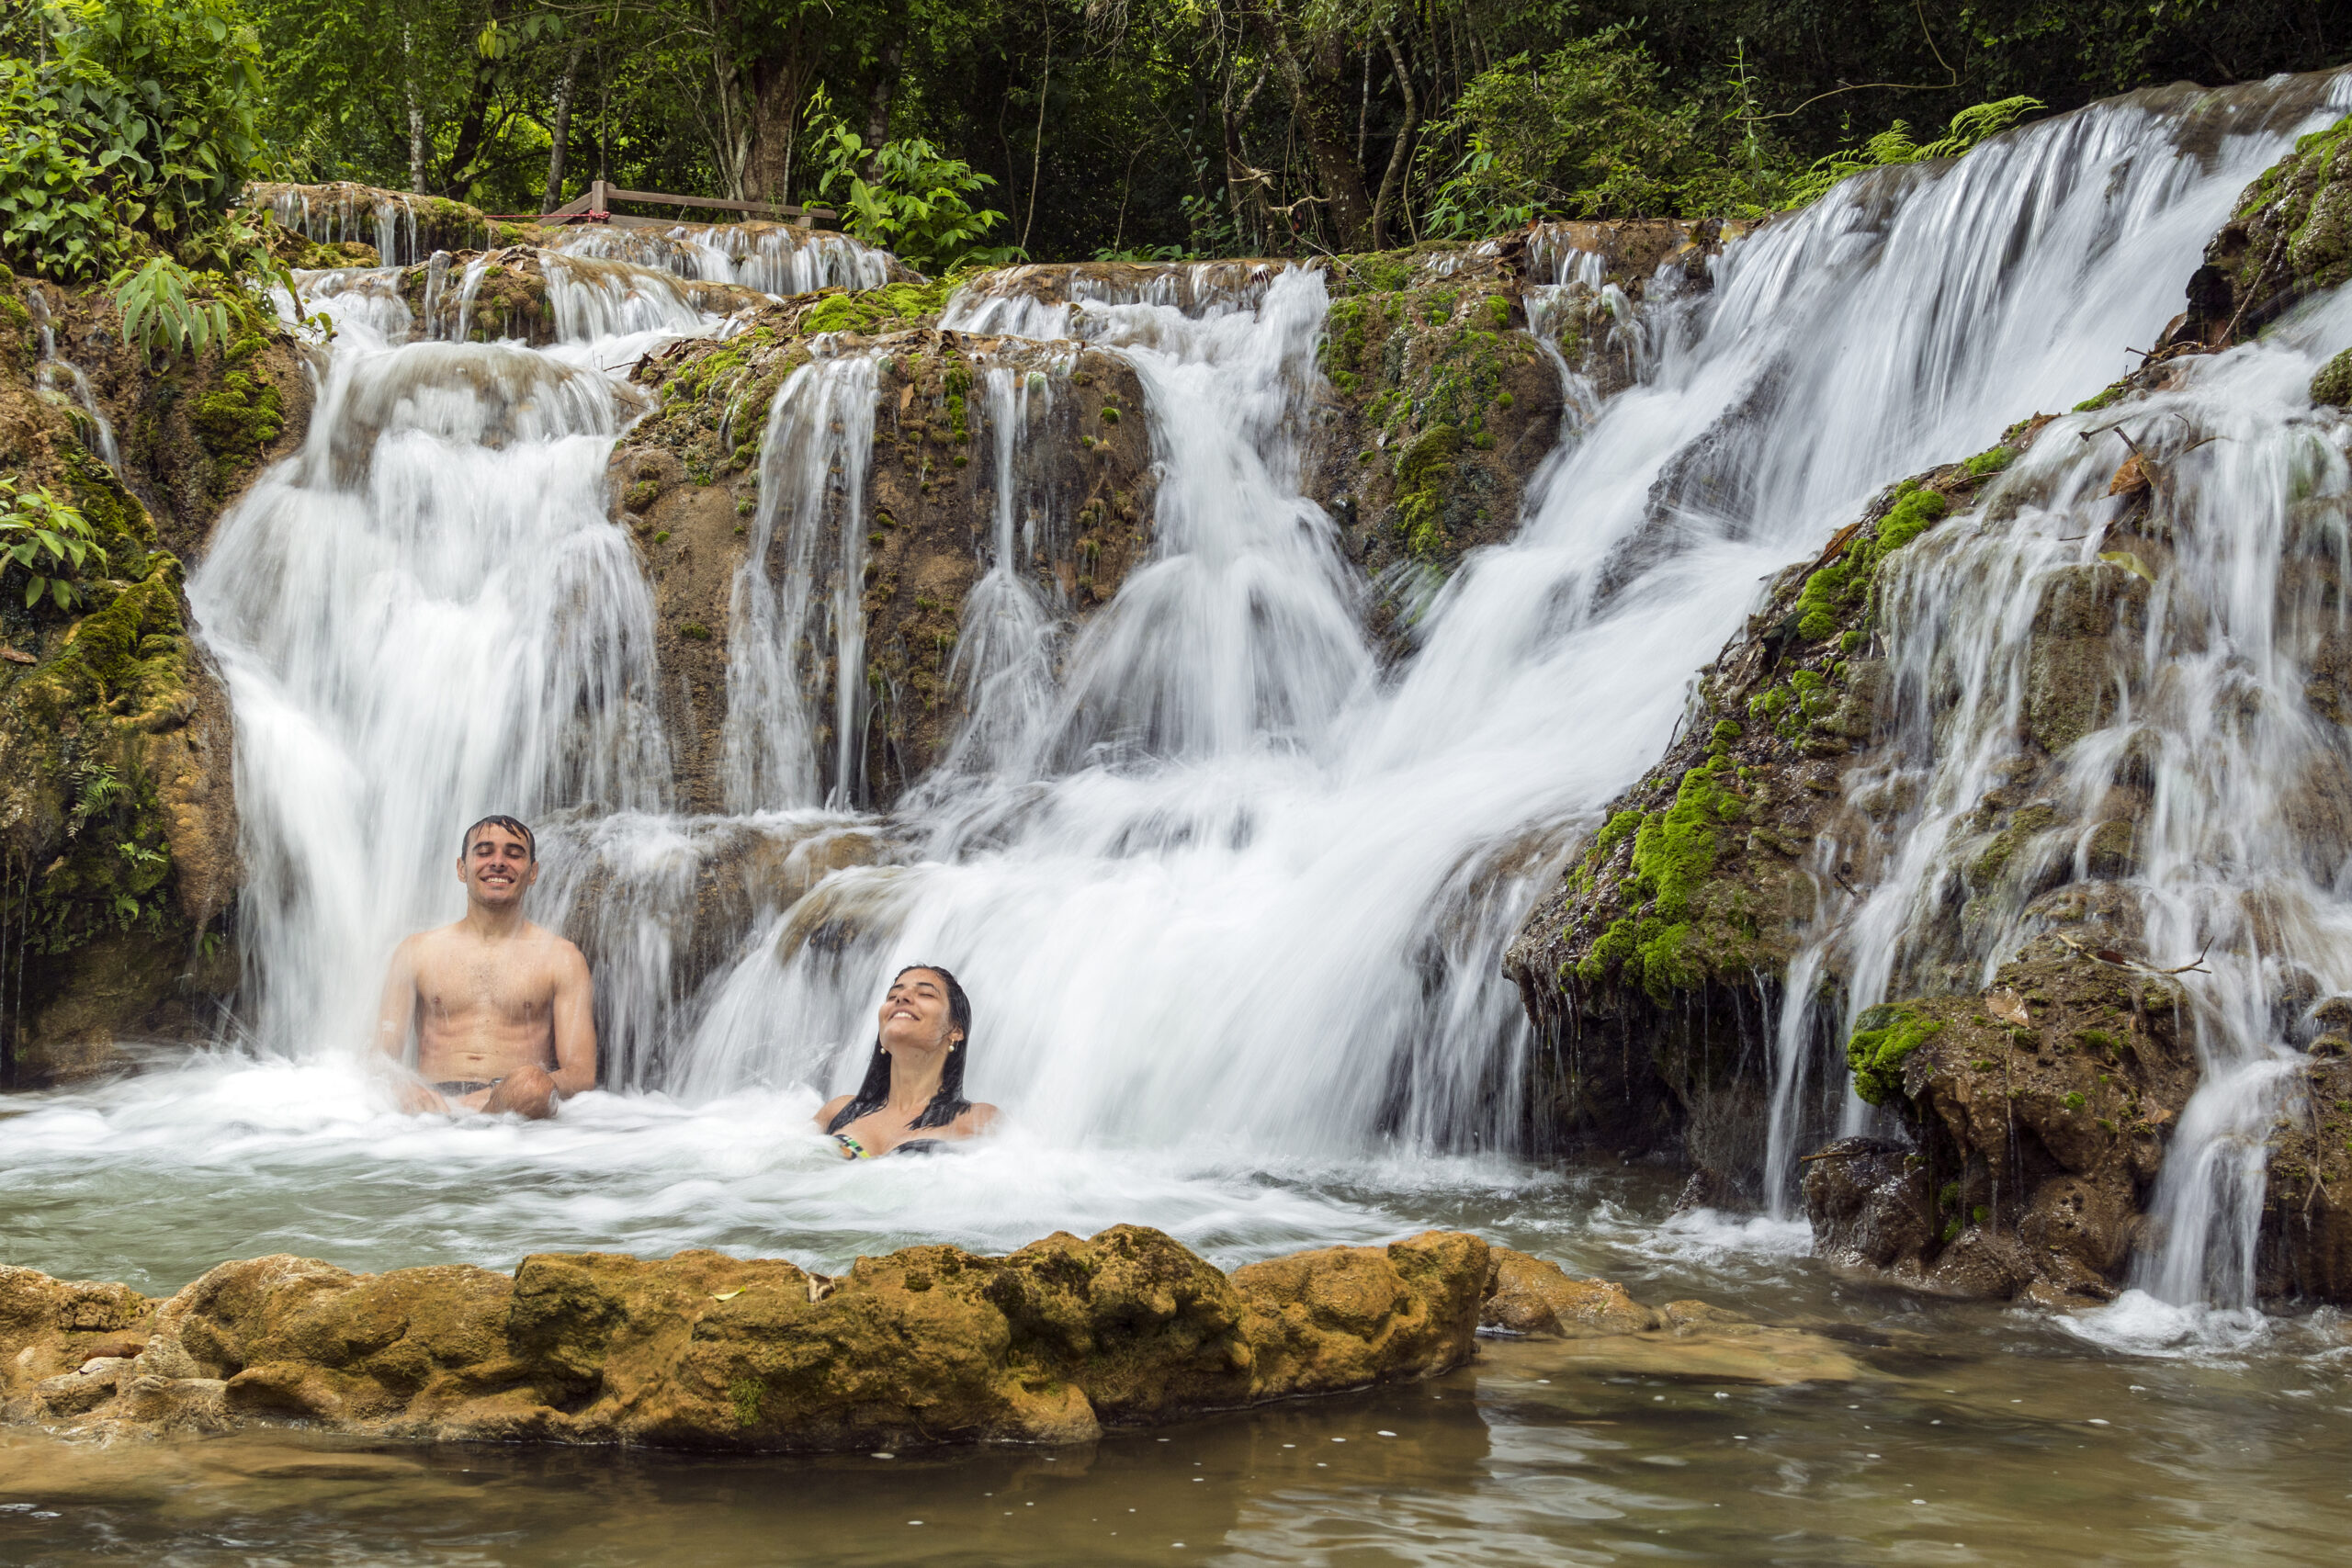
(1228, 898)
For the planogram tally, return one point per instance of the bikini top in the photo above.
(852, 1149)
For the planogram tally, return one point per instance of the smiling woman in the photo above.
(915, 1082)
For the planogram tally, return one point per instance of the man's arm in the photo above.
(394, 1016)
(575, 1023)
(397, 1011)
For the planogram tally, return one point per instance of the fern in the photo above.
(1970, 126)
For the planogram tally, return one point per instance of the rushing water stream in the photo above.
(1229, 896)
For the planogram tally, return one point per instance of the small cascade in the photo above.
(771, 258)
(2195, 626)
(797, 606)
(332, 214)
(1005, 653)
(60, 379)
(1242, 629)
(608, 299)
(365, 304)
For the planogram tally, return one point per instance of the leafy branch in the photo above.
(50, 540)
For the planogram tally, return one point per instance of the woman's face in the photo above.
(914, 1013)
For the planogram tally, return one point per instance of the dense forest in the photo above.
(1088, 128)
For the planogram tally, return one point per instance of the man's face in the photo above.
(497, 868)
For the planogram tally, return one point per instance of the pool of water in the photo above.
(1952, 1432)
(1972, 1435)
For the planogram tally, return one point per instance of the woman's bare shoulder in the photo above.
(831, 1108)
(976, 1120)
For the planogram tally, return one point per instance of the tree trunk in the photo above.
(877, 103)
(415, 115)
(779, 83)
(1244, 187)
(559, 133)
(1314, 67)
(1399, 157)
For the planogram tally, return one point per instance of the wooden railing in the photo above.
(597, 204)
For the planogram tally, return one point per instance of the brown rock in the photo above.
(1319, 1322)
(928, 1345)
(1528, 1295)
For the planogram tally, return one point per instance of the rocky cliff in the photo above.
(1730, 890)
(117, 817)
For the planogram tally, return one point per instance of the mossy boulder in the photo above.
(2289, 238)
(2041, 1109)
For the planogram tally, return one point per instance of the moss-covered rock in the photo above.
(2289, 238)
(115, 792)
(2040, 1110)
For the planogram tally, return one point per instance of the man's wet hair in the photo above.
(512, 824)
(945, 1105)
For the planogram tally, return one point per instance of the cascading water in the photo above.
(1229, 896)
(425, 612)
(53, 367)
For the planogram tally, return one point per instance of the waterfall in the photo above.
(1229, 894)
(797, 598)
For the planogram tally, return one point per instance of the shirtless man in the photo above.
(501, 1007)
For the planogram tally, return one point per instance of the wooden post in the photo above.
(597, 201)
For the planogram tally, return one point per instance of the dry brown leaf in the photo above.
(2010, 1007)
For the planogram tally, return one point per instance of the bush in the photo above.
(914, 206)
(1587, 132)
(49, 540)
(140, 121)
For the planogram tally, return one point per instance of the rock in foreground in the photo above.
(929, 1345)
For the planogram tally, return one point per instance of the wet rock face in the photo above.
(2304, 1248)
(2289, 238)
(116, 789)
(2040, 1110)
(928, 1345)
(1653, 967)
(687, 482)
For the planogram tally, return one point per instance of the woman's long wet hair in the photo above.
(949, 1102)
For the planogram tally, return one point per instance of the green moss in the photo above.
(1882, 1038)
(240, 416)
(1620, 828)
(1422, 474)
(2332, 383)
(1841, 588)
(1673, 852)
(745, 1395)
(1989, 462)
(2074, 1101)
(891, 307)
(695, 631)
(1109, 416)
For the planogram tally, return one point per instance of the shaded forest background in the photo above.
(1160, 127)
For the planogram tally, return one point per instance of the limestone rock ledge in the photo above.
(928, 1345)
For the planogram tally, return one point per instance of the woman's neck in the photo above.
(913, 1084)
